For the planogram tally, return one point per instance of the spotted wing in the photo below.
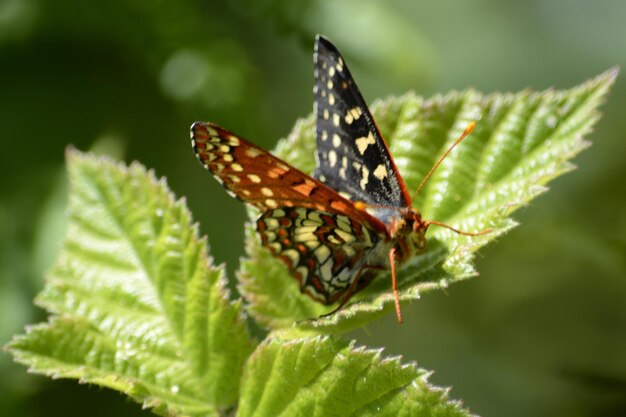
(257, 177)
(323, 251)
(352, 156)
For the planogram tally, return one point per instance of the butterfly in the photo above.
(335, 229)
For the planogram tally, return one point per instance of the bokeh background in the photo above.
(542, 331)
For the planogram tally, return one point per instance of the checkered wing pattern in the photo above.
(324, 251)
(322, 237)
(256, 177)
(351, 153)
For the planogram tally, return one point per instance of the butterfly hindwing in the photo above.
(351, 153)
(323, 251)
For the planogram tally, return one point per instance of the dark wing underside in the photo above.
(352, 157)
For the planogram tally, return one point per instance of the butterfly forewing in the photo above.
(257, 177)
(351, 154)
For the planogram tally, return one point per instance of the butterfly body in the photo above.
(353, 217)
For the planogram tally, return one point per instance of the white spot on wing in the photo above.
(365, 173)
(380, 172)
(332, 158)
(363, 142)
(253, 152)
(336, 140)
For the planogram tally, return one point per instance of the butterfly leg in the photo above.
(394, 283)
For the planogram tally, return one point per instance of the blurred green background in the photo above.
(542, 332)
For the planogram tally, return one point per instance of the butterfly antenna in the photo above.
(466, 132)
(454, 229)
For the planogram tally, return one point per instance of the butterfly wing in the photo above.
(256, 177)
(352, 156)
(324, 251)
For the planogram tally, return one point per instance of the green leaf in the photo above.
(137, 305)
(322, 376)
(521, 142)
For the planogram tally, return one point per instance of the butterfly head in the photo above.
(408, 230)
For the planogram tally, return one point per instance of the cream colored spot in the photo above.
(305, 237)
(343, 224)
(336, 119)
(230, 193)
(302, 270)
(326, 271)
(325, 114)
(331, 71)
(347, 237)
(331, 99)
(228, 157)
(307, 230)
(339, 65)
(353, 114)
(211, 131)
(236, 167)
(266, 192)
(293, 256)
(274, 247)
(336, 140)
(324, 135)
(253, 152)
(330, 85)
(245, 192)
(254, 178)
(315, 217)
(344, 194)
(349, 251)
(233, 178)
(225, 148)
(270, 236)
(301, 212)
(380, 172)
(208, 146)
(283, 166)
(271, 223)
(323, 93)
(332, 239)
(278, 213)
(363, 142)
(344, 166)
(212, 157)
(365, 173)
(332, 158)
(233, 141)
(271, 203)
